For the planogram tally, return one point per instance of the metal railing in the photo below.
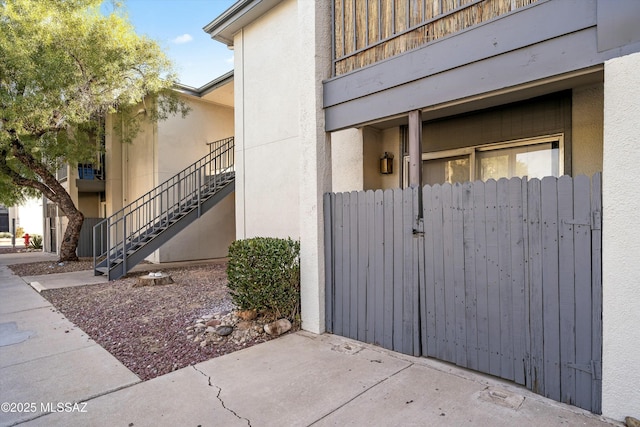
(136, 223)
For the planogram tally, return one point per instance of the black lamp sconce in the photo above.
(386, 163)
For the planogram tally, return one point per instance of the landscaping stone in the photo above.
(278, 327)
(224, 330)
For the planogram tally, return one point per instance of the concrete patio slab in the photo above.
(421, 395)
(50, 333)
(72, 376)
(181, 398)
(298, 379)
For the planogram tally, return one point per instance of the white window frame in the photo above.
(471, 152)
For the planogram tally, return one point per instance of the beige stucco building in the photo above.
(127, 171)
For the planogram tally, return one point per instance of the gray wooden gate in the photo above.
(500, 277)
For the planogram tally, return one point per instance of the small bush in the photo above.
(264, 275)
(5, 235)
(19, 232)
(36, 242)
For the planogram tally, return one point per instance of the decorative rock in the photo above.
(213, 322)
(203, 343)
(207, 317)
(247, 314)
(224, 330)
(210, 329)
(278, 327)
(243, 326)
(632, 422)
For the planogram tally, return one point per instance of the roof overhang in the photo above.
(239, 15)
(219, 90)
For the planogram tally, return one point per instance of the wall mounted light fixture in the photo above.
(386, 163)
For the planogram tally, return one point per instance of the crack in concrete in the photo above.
(220, 399)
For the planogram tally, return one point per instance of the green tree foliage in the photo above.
(64, 66)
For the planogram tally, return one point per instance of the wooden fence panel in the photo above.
(501, 277)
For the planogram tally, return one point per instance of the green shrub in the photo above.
(264, 275)
(5, 235)
(36, 242)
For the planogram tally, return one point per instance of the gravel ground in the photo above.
(146, 327)
(51, 267)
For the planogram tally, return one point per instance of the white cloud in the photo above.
(185, 38)
(229, 60)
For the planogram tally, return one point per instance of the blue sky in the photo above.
(177, 26)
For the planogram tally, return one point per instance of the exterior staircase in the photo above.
(130, 235)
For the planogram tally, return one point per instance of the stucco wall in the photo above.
(283, 153)
(268, 120)
(621, 239)
(346, 160)
(586, 123)
(182, 141)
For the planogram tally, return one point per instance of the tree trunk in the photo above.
(51, 188)
(72, 233)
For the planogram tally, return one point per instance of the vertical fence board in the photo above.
(370, 267)
(418, 260)
(517, 232)
(535, 287)
(582, 253)
(341, 269)
(449, 283)
(389, 245)
(504, 276)
(408, 274)
(550, 289)
(596, 289)
(470, 277)
(482, 308)
(438, 271)
(459, 276)
(527, 285)
(493, 277)
(398, 263)
(378, 268)
(353, 267)
(362, 252)
(429, 322)
(329, 213)
(566, 287)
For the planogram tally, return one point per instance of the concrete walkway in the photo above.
(300, 379)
